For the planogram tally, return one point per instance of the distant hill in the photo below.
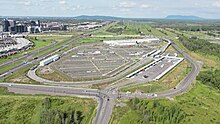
(174, 17)
(181, 17)
(86, 17)
(110, 18)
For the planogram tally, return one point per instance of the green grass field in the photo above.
(130, 28)
(201, 105)
(40, 42)
(170, 80)
(29, 109)
(5, 68)
(20, 77)
(101, 39)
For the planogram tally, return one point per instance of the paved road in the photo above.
(180, 88)
(32, 74)
(107, 98)
(23, 65)
(33, 52)
(104, 109)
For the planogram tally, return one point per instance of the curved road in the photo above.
(32, 75)
(107, 98)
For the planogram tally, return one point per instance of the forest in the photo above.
(155, 112)
(210, 78)
(201, 46)
(51, 116)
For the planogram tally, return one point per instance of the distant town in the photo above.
(13, 32)
(9, 26)
(109, 62)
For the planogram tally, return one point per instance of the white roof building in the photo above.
(21, 43)
(49, 60)
(130, 42)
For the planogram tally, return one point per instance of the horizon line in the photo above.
(201, 18)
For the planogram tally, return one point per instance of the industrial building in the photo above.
(131, 42)
(8, 25)
(49, 60)
(1, 28)
(88, 27)
(20, 28)
(14, 27)
(10, 46)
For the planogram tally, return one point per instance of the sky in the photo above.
(118, 8)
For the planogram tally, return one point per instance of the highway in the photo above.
(34, 61)
(106, 98)
(106, 103)
(179, 89)
(33, 52)
(41, 57)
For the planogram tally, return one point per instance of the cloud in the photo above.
(127, 4)
(62, 1)
(124, 10)
(45, 1)
(26, 3)
(216, 4)
(144, 6)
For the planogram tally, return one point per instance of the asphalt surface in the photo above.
(32, 74)
(34, 61)
(104, 109)
(106, 98)
(33, 52)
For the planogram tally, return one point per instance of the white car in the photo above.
(154, 95)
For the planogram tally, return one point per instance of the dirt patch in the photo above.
(120, 104)
(21, 79)
(46, 70)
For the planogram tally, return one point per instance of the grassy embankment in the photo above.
(36, 109)
(39, 43)
(200, 105)
(56, 76)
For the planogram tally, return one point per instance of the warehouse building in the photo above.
(49, 60)
(131, 42)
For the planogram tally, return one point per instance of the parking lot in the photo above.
(155, 71)
(98, 61)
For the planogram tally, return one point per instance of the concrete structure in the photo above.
(8, 25)
(33, 29)
(169, 68)
(130, 42)
(89, 26)
(1, 28)
(20, 28)
(17, 44)
(49, 60)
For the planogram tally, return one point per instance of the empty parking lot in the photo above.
(98, 61)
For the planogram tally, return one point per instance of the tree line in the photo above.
(200, 28)
(155, 112)
(200, 45)
(56, 116)
(210, 78)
